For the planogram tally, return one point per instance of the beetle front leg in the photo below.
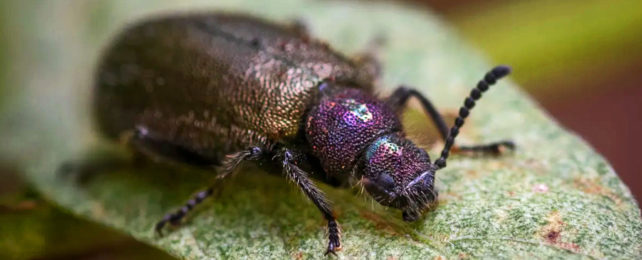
(300, 177)
(228, 166)
(399, 98)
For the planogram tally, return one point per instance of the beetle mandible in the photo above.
(220, 89)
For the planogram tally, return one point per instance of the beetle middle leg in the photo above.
(300, 177)
(146, 142)
(228, 166)
(401, 95)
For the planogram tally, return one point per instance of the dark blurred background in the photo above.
(581, 60)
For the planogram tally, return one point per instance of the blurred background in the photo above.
(582, 61)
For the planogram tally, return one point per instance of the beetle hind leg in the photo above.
(227, 167)
(175, 218)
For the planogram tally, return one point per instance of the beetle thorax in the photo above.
(342, 126)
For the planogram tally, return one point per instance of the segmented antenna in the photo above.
(489, 79)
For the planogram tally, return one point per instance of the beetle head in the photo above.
(396, 173)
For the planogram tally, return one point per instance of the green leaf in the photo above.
(553, 197)
(33, 229)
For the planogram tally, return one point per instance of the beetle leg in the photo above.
(98, 161)
(175, 218)
(299, 27)
(401, 95)
(399, 98)
(300, 177)
(228, 166)
(84, 169)
(232, 161)
(368, 60)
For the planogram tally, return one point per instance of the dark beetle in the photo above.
(220, 89)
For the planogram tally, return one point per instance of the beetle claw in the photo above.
(333, 247)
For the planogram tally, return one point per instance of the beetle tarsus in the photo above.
(495, 148)
(176, 217)
(159, 226)
(334, 238)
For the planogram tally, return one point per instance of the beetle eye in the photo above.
(386, 181)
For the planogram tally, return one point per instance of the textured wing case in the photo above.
(214, 83)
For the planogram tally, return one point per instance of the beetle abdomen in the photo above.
(213, 82)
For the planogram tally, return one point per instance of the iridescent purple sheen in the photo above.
(396, 156)
(344, 124)
(352, 130)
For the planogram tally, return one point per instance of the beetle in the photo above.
(217, 89)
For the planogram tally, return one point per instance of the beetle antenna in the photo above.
(489, 79)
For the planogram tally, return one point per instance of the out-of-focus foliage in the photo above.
(554, 197)
(32, 228)
(4, 48)
(557, 41)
